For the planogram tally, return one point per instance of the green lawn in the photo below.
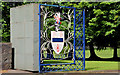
(96, 65)
(91, 65)
(108, 53)
(102, 65)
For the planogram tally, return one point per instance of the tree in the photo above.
(115, 41)
(105, 22)
(101, 20)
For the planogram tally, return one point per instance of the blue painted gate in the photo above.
(72, 56)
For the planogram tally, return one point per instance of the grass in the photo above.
(92, 65)
(96, 65)
(108, 53)
(102, 65)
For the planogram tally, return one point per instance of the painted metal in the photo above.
(79, 58)
(84, 39)
(39, 38)
(74, 32)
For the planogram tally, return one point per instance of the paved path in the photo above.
(14, 71)
(63, 73)
(91, 71)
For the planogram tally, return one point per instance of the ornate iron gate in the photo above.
(72, 56)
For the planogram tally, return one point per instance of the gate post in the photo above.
(84, 39)
(39, 38)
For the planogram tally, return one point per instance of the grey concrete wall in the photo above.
(24, 36)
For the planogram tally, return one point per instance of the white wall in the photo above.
(24, 36)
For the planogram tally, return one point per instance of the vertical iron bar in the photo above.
(84, 39)
(39, 37)
(74, 33)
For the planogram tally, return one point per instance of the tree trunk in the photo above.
(92, 52)
(115, 53)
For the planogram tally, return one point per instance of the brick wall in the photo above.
(6, 55)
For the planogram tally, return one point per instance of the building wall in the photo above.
(24, 36)
(5, 56)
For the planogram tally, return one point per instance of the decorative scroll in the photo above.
(46, 50)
